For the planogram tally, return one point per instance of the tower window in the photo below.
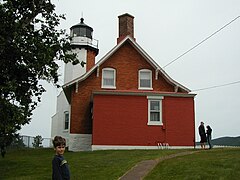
(76, 32)
(66, 120)
(83, 32)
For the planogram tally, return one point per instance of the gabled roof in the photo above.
(141, 51)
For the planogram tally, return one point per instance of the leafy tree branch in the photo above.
(30, 46)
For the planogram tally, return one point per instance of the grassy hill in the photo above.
(227, 141)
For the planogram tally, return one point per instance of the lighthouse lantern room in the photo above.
(85, 48)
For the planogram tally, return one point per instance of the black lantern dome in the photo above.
(81, 29)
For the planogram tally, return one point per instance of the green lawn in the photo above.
(36, 164)
(219, 164)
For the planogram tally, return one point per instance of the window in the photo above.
(145, 79)
(82, 31)
(66, 120)
(109, 78)
(76, 32)
(155, 110)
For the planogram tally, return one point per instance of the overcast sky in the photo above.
(165, 29)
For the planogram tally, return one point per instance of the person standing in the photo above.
(60, 169)
(202, 133)
(209, 136)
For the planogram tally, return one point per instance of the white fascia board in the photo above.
(147, 93)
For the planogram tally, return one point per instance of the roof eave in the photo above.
(141, 51)
(102, 60)
(157, 67)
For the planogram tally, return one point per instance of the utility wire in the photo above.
(202, 41)
(236, 82)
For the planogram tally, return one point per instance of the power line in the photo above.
(201, 42)
(236, 82)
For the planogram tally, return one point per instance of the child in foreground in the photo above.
(60, 169)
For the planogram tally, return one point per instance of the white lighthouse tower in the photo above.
(86, 49)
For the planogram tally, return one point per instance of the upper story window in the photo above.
(145, 79)
(66, 120)
(155, 110)
(109, 78)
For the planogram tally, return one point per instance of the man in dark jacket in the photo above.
(202, 133)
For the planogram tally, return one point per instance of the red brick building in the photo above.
(126, 100)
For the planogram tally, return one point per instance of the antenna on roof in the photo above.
(82, 18)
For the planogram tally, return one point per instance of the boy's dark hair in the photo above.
(59, 141)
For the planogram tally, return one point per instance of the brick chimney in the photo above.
(126, 26)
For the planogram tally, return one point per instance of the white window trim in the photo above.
(114, 85)
(145, 88)
(155, 98)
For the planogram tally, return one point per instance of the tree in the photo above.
(30, 46)
(37, 141)
(18, 143)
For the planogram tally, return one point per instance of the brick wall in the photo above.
(81, 120)
(179, 120)
(90, 59)
(127, 61)
(122, 120)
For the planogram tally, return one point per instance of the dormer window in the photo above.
(109, 78)
(145, 79)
